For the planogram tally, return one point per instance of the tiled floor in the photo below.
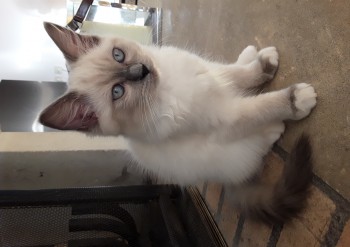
(313, 41)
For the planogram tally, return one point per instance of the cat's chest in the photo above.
(181, 152)
(178, 149)
(191, 159)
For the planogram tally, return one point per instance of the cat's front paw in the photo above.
(268, 58)
(249, 54)
(303, 99)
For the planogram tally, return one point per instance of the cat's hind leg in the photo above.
(273, 132)
(247, 153)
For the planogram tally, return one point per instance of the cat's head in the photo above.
(111, 82)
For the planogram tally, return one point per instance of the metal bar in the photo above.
(105, 209)
(136, 194)
(99, 242)
(174, 225)
(105, 225)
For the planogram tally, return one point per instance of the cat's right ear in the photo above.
(70, 112)
(70, 43)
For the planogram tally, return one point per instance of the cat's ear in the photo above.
(70, 43)
(70, 112)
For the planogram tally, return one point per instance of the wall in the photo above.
(26, 51)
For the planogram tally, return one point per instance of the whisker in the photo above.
(154, 116)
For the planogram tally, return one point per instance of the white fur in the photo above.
(207, 129)
(305, 100)
(189, 119)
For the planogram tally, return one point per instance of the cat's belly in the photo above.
(194, 159)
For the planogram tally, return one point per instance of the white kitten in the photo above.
(187, 119)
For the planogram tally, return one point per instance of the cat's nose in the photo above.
(136, 72)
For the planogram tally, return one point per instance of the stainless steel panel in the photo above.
(22, 101)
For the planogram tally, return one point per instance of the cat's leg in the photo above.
(294, 103)
(248, 55)
(247, 153)
(252, 68)
(272, 132)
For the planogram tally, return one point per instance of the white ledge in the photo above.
(57, 141)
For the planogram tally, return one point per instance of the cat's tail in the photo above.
(285, 199)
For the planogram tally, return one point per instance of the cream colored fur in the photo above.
(189, 119)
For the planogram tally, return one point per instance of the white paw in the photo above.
(269, 55)
(274, 131)
(303, 97)
(249, 54)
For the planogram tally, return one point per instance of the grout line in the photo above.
(204, 190)
(238, 232)
(221, 202)
(280, 151)
(336, 226)
(275, 235)
(339, 200)
(318, 182)
(342, 212)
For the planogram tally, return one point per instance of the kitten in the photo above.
(187, 119)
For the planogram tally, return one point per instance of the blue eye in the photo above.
(118, 55)
(117, 91)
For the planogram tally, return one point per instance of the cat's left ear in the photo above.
(70, 43)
